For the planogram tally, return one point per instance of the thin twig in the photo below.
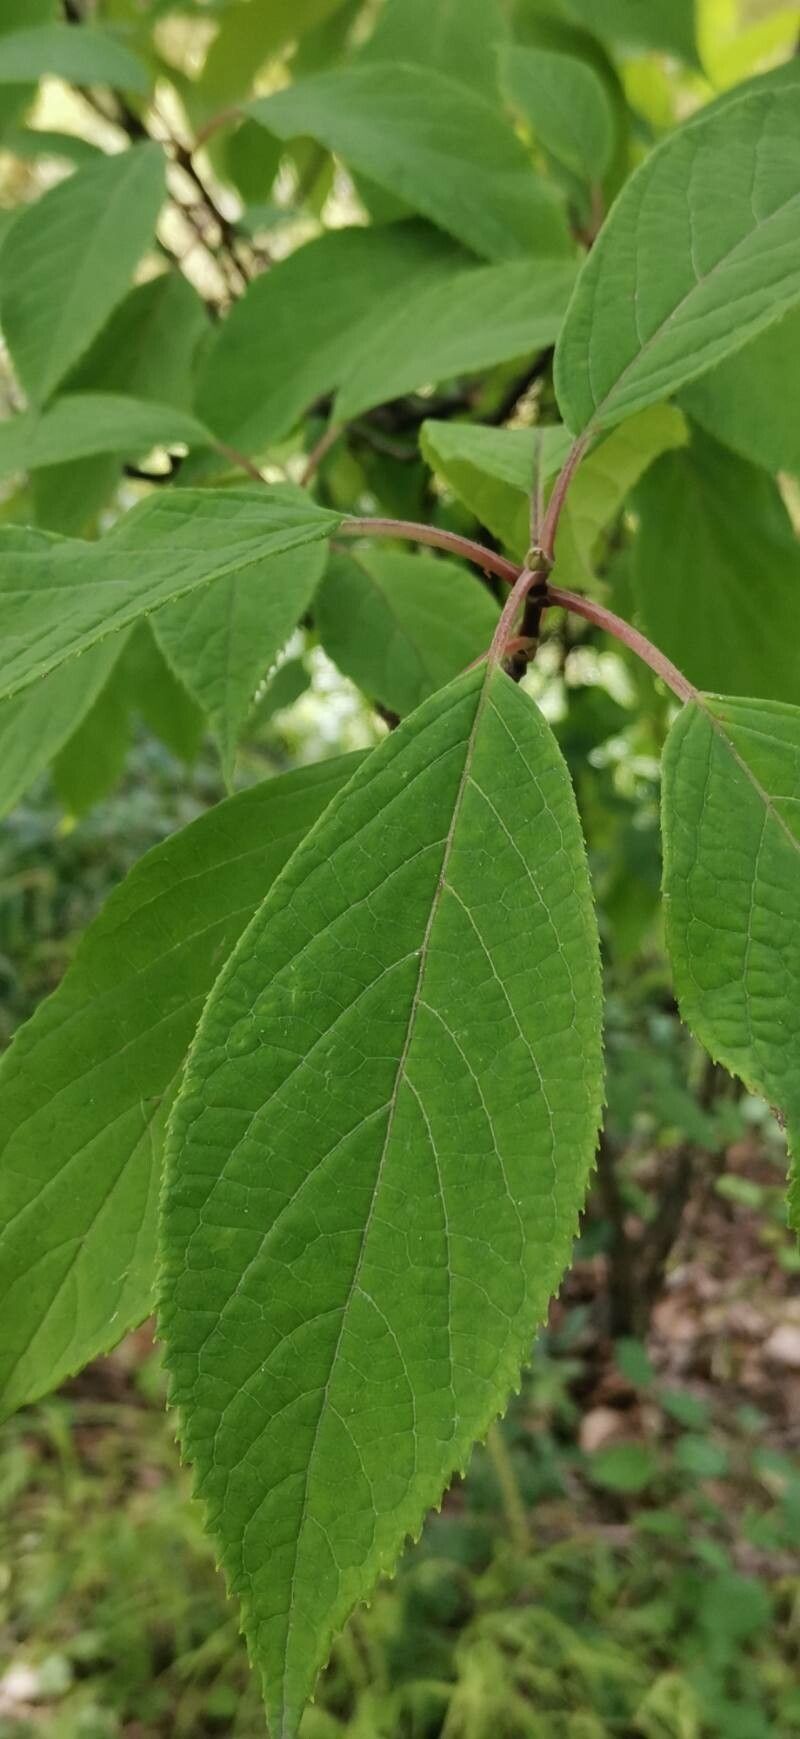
(240, 460)
(317, 454)
(559, 496)
(410, 532)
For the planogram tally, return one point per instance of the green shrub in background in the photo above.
(554, 343)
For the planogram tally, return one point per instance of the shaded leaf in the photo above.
(36, 724)
(455, 36)
(250, 32)
(148, 346)
(565, 103)
(473, 320)
(82, 424)
(732, 891)
(491, 469)
(442, 148)
(750, 401)
(298, 330)
(290, 680)
(89, 55)
(411, 1095)
(222, 643)
(668, 25)
(700, 252)
(716, 572)
(154, 692)
(87, 1083)
(401, 625)
(90, 764)
(69, 258)
(56, 602)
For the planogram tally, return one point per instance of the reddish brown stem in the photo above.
(431, 534)
(628, 636)
(547, 542)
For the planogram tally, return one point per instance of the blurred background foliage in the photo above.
(623, 1558)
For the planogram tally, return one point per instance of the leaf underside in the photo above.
(377, 1162)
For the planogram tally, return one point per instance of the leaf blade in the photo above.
(732, 891)
(69, 258)
(86, 1083)
(433, 142)
(645, 321)
(411, 812)
(168, 546)
(471, 321)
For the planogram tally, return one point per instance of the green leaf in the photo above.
(624, 1467)
(301, 327)
(492, 469)
(148, 347)
(291, 679)
(436, 144)
(36, 724)
(566, 105)
(470, 322)
(89, 55)
(222, 643)
(87, 1083)
(716, 572)
(250, 32)
(154, 692)
(700, 252)
(82, 424)
(406, 1045)
(732, 892)
(56, 602)
(90, 764)
(668, 25)
(750, 401)
(32, 142)
(402, 626)
(455, 36)
(69, 258)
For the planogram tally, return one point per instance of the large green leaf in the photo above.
(69, 258)
(86, 56)
(750, 401)
(732, 891)
(223, 643)
(566, 104)
(87, 1083)
(300, 329)
(492, 469)
(456, 36)
(669, 25)
(471, 321)
(436, 144)
(57, 601)
(700, 252)
(82, 424)
(377, 1161)
(716, 572)
(402, 625)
